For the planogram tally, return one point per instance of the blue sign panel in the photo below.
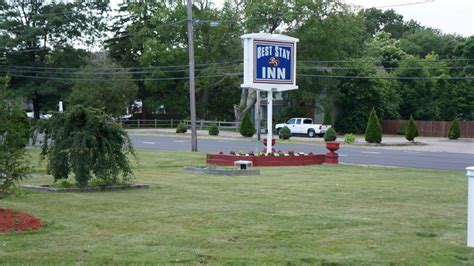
(273, 62)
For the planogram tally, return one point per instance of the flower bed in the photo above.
(11, 220)
(274, 159)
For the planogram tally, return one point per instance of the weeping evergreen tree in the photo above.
(86, 142)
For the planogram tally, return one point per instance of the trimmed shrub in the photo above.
(246, 127)
(349, 138)
(402, 130)
(373, 133)
(214, 130)
(181, 128)
(330, 135)
(285, 133)
(454, 130)
(412, 130)
(327, 118)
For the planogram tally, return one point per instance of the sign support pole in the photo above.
(470, 206)
(257, 114)
(269, 121)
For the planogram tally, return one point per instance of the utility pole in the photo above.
(192, 93)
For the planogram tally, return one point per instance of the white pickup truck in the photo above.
(303, 126)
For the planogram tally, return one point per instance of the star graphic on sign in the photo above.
(273, 61)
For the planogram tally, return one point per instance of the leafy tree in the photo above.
(465, 50)
(356, 96)
(14, 136)
(386, 50)
(246, 126)
(104, 85)
(86, 142)
(31, 30)
(373, 133)
(330, 134)
(412, 131)
(418, 95)
(423, 41)
(454, 130)
(155, 34)
(327, 31)
(377, 20)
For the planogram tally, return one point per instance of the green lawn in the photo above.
(300, 215)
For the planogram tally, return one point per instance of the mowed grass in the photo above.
(300, 215)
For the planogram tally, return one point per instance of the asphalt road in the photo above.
(357, 155)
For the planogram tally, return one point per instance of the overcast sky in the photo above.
(450, 16)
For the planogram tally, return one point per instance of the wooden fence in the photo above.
(171, 123)
(430, 128)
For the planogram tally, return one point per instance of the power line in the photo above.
(389, 78)
(72, 69)
(407, 4)
(330, 68)
(133, 79)
(92, 72)
(385, 61)
(241, 74)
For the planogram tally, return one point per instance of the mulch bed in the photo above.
(11, 220)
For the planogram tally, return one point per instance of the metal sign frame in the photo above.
(274, 84)
(250, 42)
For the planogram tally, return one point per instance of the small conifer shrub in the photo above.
(402, 129)
(412, 131)
(214, 130)
(181, 128)
(285, 133)
(373, 133)
(246, 127)
(327, 118)
(349, 138)
(454, 130)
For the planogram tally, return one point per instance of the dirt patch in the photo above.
(11, 220)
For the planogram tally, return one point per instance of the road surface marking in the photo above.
(180, 141)
(146, 142)
(343, 155)
(371, 152)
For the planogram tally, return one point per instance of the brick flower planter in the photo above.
(229, 159)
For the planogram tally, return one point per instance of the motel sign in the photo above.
(269, 62)
(269, 65)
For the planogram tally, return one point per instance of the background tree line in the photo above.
(349, 60)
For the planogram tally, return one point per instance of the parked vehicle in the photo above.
(303, 126)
